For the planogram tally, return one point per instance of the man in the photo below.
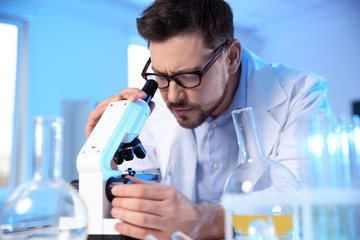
(203, 74)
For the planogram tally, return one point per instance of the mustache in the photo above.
(178, 104)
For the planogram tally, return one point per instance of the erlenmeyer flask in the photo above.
(257, 175)
(45, 207)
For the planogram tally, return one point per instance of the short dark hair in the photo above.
(163, 19)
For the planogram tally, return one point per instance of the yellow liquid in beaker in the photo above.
(282, 223)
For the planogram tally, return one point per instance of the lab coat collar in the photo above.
(264, 95)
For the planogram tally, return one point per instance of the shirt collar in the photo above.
(239, 99)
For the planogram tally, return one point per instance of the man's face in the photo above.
(186, 53)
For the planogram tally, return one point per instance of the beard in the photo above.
(187, 122)
(200, 114)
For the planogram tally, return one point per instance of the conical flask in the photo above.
(257, 175)
(45, 207)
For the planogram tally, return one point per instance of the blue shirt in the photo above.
(217, 148)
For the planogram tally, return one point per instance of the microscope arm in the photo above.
(121, 123)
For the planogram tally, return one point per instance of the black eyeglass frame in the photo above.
(200, 73)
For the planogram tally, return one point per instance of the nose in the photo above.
(175, 92)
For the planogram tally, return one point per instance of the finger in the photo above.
(103, 105)
(134, 231)
(138, 205)
(114, 98)
(138, 180)
(133, 96)
(148, 191)
(138, 218)
(136, 91)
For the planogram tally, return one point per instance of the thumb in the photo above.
(138, 180)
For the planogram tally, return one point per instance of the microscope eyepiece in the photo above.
(150, 88)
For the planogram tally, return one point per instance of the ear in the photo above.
(234, 56)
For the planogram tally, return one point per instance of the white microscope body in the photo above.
(121, 122)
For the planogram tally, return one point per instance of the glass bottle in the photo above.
(257, 175)
(45, 207)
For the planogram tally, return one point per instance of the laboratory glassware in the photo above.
(258, 176)
(45, 207)
(333, 190)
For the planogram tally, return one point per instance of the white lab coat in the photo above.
(278, 96)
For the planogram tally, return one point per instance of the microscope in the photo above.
(114, 138)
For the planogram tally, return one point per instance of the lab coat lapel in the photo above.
(264, 95)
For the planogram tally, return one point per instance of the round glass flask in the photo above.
(257, 175)
(45, 207)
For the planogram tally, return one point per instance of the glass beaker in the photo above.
(259, 176)
(333, 200)
(45, 207)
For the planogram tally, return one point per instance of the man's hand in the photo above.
(131, 94)
(160, 210)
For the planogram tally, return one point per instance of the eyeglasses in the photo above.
(185, 80)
